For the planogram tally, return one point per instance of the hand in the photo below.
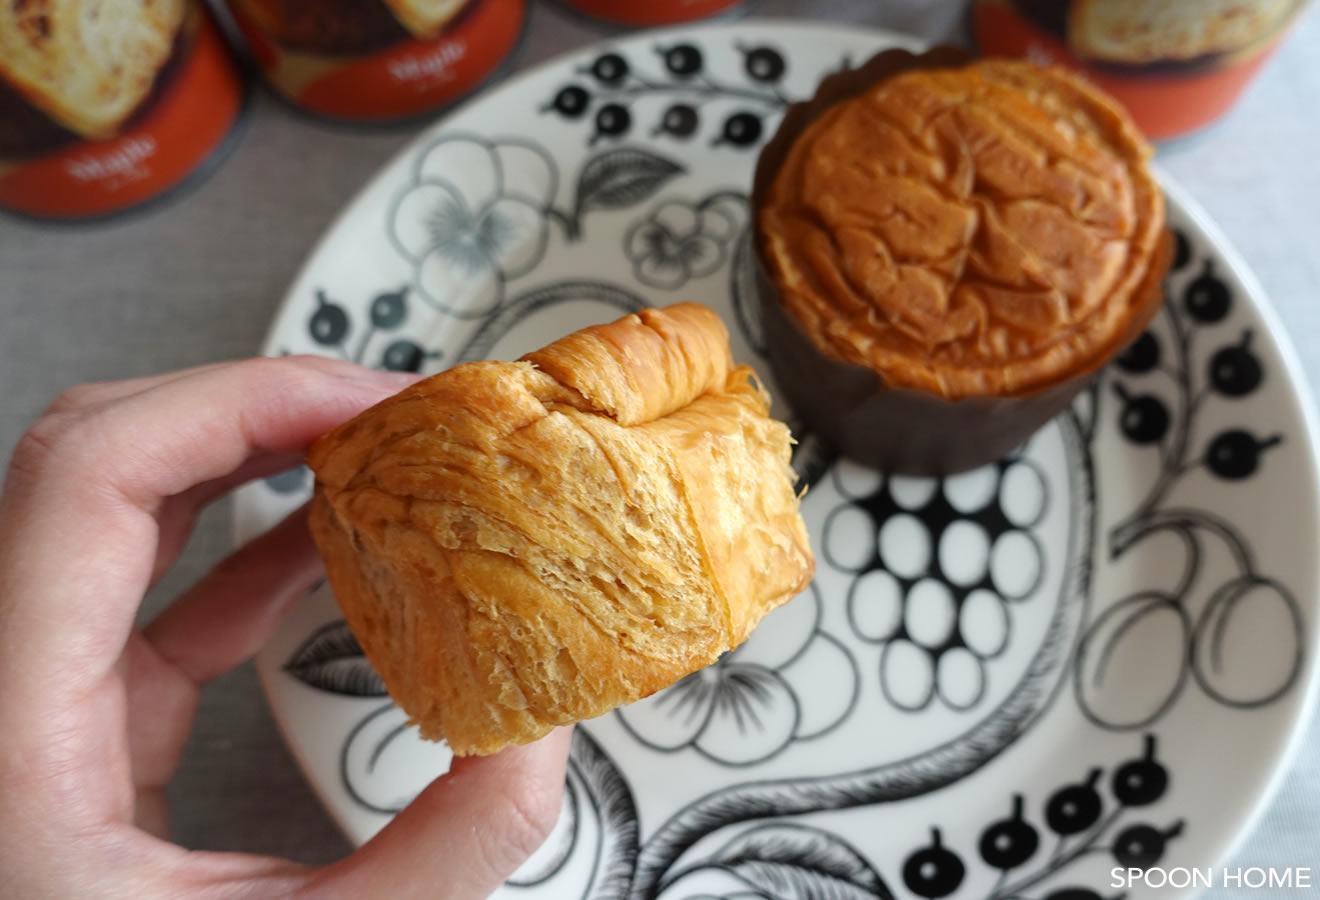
(99, 500)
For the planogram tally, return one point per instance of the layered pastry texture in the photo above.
(1145, 31)
(990, 229)
(524, 545)
(86, 64)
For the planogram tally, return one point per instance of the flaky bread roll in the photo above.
(524, 545)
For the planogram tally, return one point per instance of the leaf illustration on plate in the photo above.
(332, 660)
(609, 795)
(618, 179)
(794, 862)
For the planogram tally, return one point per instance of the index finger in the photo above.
(78, 533)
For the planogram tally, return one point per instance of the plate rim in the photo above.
(1285, 750)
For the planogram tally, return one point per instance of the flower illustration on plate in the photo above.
(758, 698)
(472, 218)
(680, 241)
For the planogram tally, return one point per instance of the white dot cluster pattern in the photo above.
(935, 564)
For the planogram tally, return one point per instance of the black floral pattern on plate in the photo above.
(1202, 631)
(747, 829)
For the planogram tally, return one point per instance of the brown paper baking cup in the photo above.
(898, 429)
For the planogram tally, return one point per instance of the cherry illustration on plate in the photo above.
(763, 64)
(933, 871)
(1141, 782)
(1207, 298)
(1141, 356)
(1144, 418)
(403, 356)
(1009, 842)
(1235, 454)
(390, 309)
(679, 120)
(682, 60)
(610, 68)
(612, 120)
(741, 130)
(571, 102)
(1142, 846)
(329, 324)
(1236, 371)
(1075, 808)
(1182, 250)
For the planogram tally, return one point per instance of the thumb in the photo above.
(463, 835)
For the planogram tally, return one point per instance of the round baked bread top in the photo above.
(985, 230)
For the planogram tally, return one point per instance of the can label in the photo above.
(645, 13)
(60, 160)
(378, 60)
(1176, 67)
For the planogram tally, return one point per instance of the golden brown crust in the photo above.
(1137, 32)
(979, 230)
(515, 552)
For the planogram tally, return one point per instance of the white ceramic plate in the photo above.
(1096, 653)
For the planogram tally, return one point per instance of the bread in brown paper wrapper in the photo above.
(948, 251)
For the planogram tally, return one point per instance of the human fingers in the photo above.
(227, 616)
(78, 533)
(99, 392)
(465, 834)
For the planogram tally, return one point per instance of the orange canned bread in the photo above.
(964, 246)
(104, 108)
(376, 61)
(1175, 66)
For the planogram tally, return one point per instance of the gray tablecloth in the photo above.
(199, 280)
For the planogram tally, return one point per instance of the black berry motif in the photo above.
(1075, 808)
(390, 309)
(741, 130)
(933, 871)
(1142, 356)
(612, 120)
(329, 323)
(571, 102)
(1182, 250)
(1235, 454)
(1144, 419)
(1076, 819)
(1009, 842)
(1142, 846)
(681, 60)
(613, 83)
(680, 121)
(1197, 638)
(402, 356)
(763, 64)
(1235, 371)
(610, 68)
(1141, 782)
(1207, 297)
